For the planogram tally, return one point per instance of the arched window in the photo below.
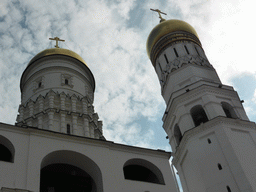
(142, 170)
(69, 171)
(228, 109)
(68, 129)
(7, 150)
(66, 81)
(198, 115)
(177, 134)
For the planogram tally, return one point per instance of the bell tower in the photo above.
(212, 139)
(57, 92)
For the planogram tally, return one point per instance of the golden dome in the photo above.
(166, 27)
(57, 51)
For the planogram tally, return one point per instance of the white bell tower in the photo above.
(57, 90)
(213, 141)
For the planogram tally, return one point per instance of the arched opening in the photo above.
(142, 170)
(7, 150)
(177, 134)
(198, 115)
(69, 171)
(66, 81)
(65, 177)
(228, 109)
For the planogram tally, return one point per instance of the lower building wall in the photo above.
(103, 161)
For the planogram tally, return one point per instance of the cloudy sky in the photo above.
(111, 37)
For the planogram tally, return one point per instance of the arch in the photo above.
(142, 170)
(198, 115)
(72, 162)
(177, 134)
(7, 150)
(228, 110)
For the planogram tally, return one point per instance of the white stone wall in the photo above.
(35, 149)
(232, 145)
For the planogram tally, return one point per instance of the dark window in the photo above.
(68, 129)
(140, 173)
(197, 51)
(209, 141)
(66, 81)
(176, 53)
(198, 115)
(219, 166)
(177, 134)
(228, 188)
(186, 49)
(5, 154)
(166, 58)
(39, 84)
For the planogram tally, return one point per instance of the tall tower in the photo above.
(57, 90)
(213, 141)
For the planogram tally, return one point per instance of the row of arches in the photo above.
(199, 116)
(71, 171)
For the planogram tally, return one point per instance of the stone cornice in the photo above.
(83, 140)
(194, 93)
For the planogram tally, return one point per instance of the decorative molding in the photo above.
(171, 39)
(194, 93)
(38, 83)
(180, 62)
(48, 108)
(68, 78)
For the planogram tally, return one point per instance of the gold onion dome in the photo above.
(165, 27)
(57, 51)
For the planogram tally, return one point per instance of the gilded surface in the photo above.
(166, 27)
(57, 51)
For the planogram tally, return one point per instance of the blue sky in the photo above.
(111, 37)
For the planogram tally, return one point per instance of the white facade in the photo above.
(213, 141)
(104, 161)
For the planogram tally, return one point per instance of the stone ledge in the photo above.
(4, 189)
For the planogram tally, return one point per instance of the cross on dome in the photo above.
(159, 12)
(57, 39)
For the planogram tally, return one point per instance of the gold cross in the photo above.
(159, 12)
(57, 39)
